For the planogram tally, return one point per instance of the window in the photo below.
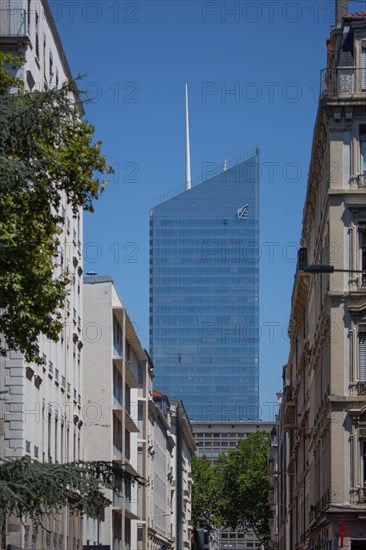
(26, 537)
(362, 356)
(29, 15)
(44, 55)
(362, 252)
(363, 148)
(140, 411)
(49, 438)
(37, 35)
(62, 442)
(363, 67)
(363, 462)
(51, 65)
(56, 440)
(117, 386)
(117, 337)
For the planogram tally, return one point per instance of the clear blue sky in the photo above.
(253, 70)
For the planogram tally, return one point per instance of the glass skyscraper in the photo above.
(204, 293)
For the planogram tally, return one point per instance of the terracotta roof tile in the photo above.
(157, 393)
(358, 14)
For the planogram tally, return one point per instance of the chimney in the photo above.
(341, 10)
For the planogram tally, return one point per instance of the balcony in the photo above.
(361, 282)
(361, 495)
(118, 500)
(186, 495)
(361, 388)
(359, 181)
(358, 496)
(289, 407)
(321, 506)
(13, 23)
(130, 508)
(117, 351)
(342, 82)
(130, 422)
(117, 451)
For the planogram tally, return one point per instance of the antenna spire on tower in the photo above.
(188, 153)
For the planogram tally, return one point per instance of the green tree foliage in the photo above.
(34, 490)
(243, 479)
(46, 149)
(205, 492)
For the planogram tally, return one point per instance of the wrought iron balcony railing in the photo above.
(359, 181)
(342, 81)
(13, 22)
(361, 388)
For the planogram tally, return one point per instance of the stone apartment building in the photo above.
(162, 448)
(39, 404)
(321, 472)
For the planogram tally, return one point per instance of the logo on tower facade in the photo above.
(242, 213)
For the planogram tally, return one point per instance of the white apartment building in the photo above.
(116, 393)
(39, 404)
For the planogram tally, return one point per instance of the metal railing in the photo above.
(288, 394)
(321, 506)
(361, 388)
(361, 494)
(358, 181)
(342, 81)
(222, 167)
(13, 22)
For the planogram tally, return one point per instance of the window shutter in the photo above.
(362, 356)
(363, 68)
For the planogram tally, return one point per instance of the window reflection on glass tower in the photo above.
(204, 293)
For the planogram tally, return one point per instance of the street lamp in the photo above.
(325, 268)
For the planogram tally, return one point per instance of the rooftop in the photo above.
(358, 14)
(226, 165)
(157, 393)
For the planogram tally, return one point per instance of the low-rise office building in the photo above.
(215, 438)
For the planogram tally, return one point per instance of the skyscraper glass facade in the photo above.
(204, 294)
